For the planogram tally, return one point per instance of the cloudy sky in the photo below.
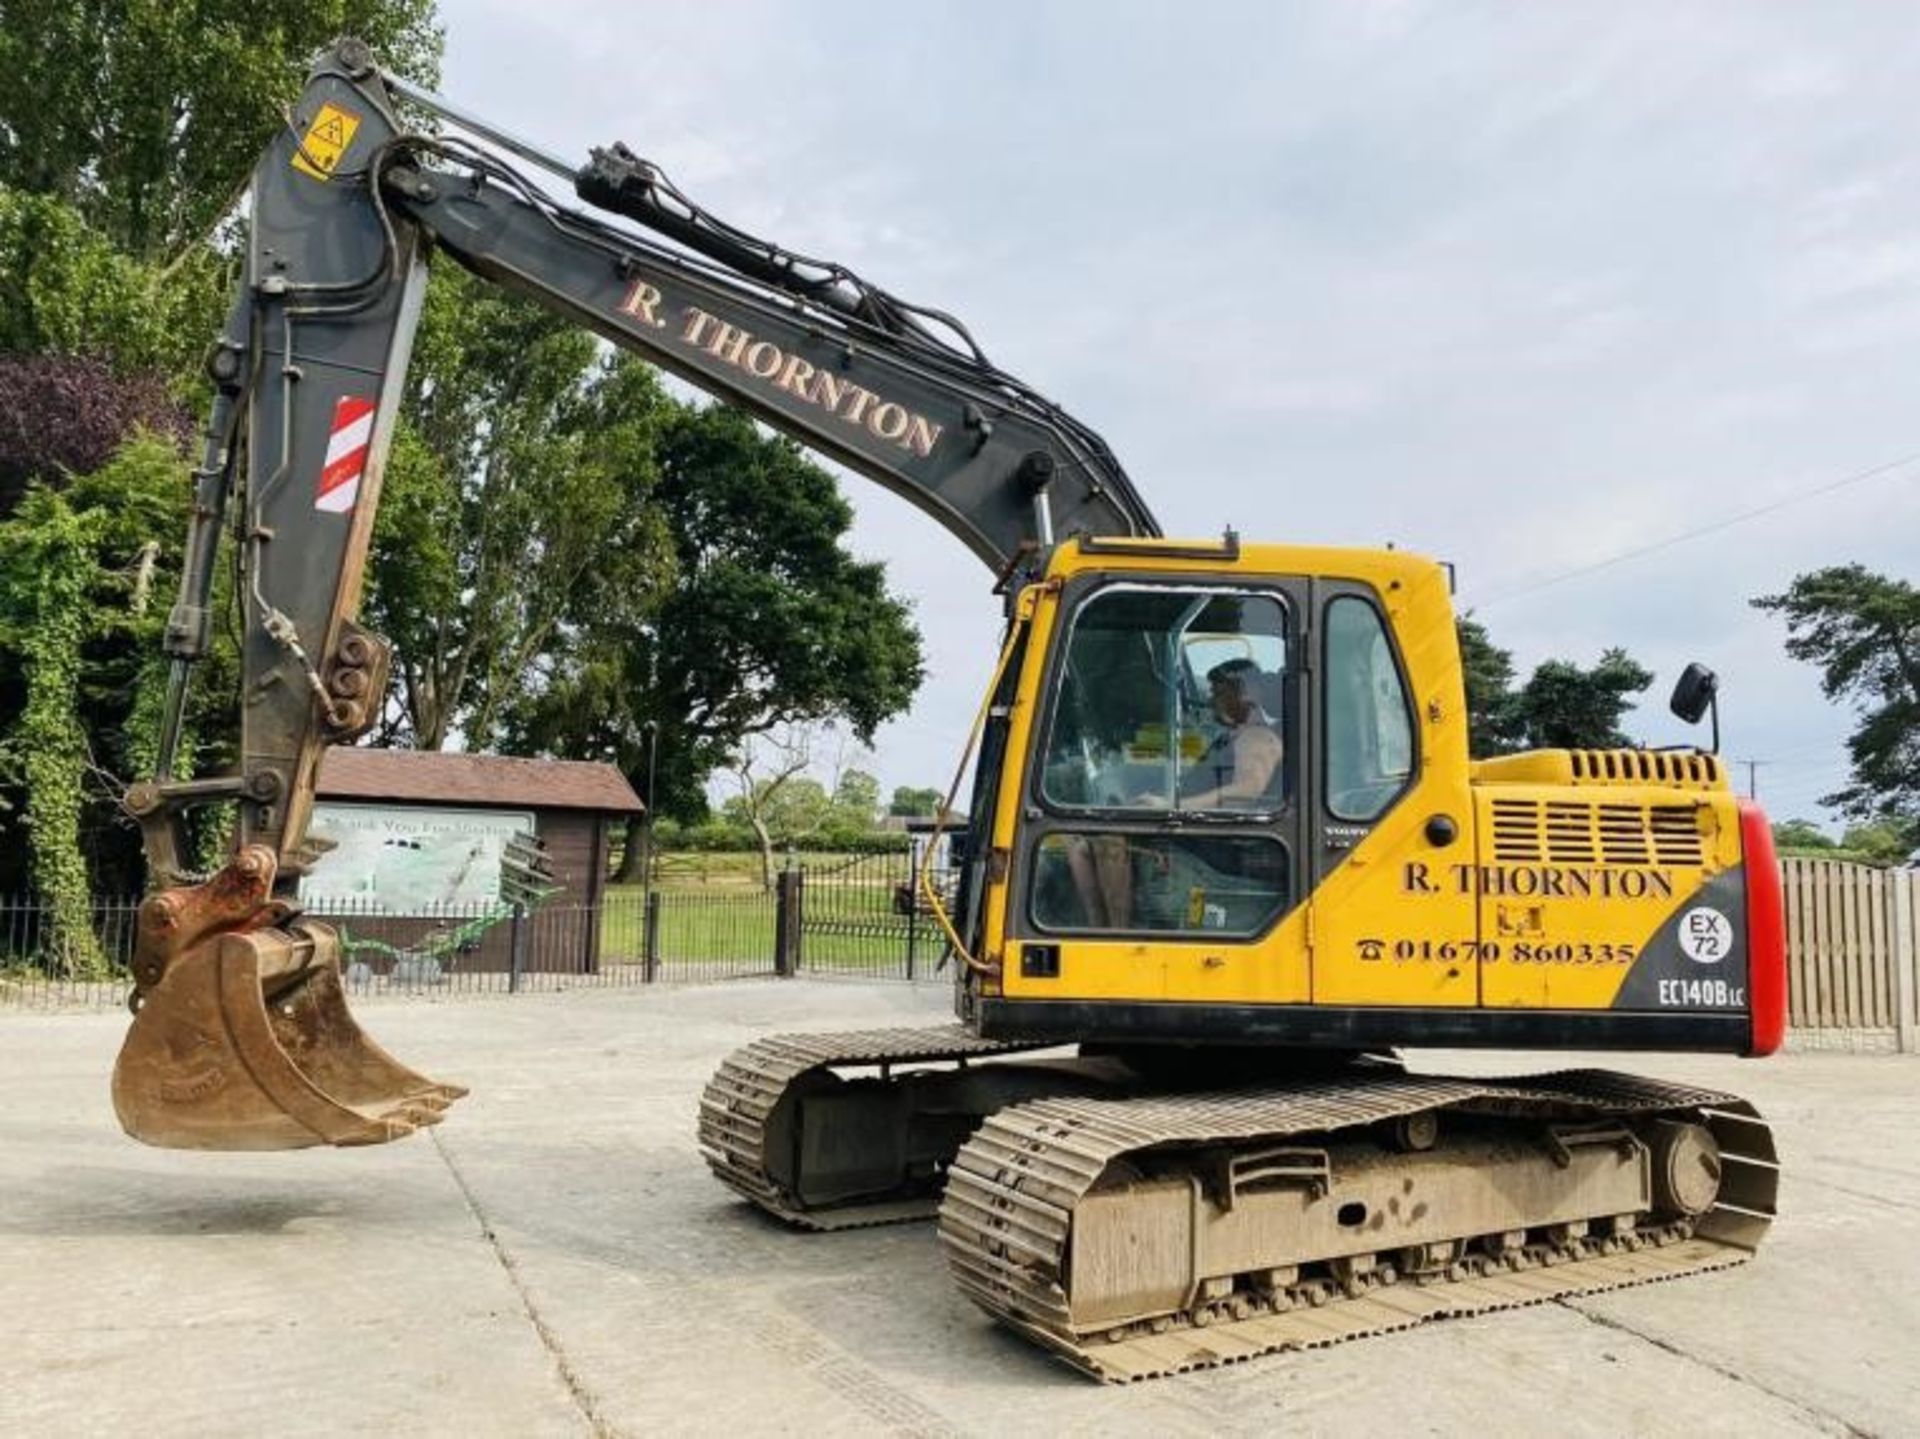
(1524, 287)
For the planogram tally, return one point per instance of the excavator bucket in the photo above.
(244, 1040)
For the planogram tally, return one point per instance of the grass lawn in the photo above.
(847, 921)
(740, 869)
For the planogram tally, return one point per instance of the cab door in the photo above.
(1140, 872)
(1392, 916)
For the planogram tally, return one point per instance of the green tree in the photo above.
(854, 810)
(856, 800)
(44, 593)
(775, 797)
(788, 808)
(89, 357)
(126, 130)
(77, 572)
(768, 622)
(1881, 842)
(914, 803)
(1493, 720)
(517, 509)
(771, 621)
(1863, 631)
(67, 290)
(146, 115)
(1800, 835)
(1561, 706)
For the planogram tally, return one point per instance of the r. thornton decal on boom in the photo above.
(842, 398)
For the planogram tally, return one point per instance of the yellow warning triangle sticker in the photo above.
(326, 141)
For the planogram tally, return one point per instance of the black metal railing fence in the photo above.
(855, 915)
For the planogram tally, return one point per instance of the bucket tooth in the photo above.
(246, 1043)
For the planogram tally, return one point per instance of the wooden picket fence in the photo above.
(1853, 965)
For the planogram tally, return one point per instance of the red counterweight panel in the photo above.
(1766, 933)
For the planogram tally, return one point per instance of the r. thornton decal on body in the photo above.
(1549, 881)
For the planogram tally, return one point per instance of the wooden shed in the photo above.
(418, 837)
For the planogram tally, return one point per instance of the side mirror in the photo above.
(1696, 693)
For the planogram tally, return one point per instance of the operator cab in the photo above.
(1195, 765)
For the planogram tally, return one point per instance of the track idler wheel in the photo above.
(1686, 1168)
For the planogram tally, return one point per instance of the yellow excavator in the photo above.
(1227, 849)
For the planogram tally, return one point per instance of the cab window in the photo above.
(1369, 744)
(1127, 882)
(1171, 699)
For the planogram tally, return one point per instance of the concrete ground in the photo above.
(555, 1260)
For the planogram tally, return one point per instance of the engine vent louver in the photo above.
(1676, 835)
(1526, 831)
(1645, 766)
(1570, 833)
(1516, 831)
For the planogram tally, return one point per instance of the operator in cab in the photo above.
(1241, 767)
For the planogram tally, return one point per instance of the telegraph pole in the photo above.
(1753, 779)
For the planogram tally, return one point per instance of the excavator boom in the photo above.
(240, 1018)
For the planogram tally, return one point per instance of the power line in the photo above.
(1857, 477)
(1807, 785)
(1795, 796)
(1834, 749)
(1833, 762)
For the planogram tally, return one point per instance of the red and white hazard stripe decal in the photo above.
(346, 455)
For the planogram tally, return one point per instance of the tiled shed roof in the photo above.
(429, 777)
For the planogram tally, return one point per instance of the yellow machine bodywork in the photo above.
(1563, 863)
(1567, 944)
